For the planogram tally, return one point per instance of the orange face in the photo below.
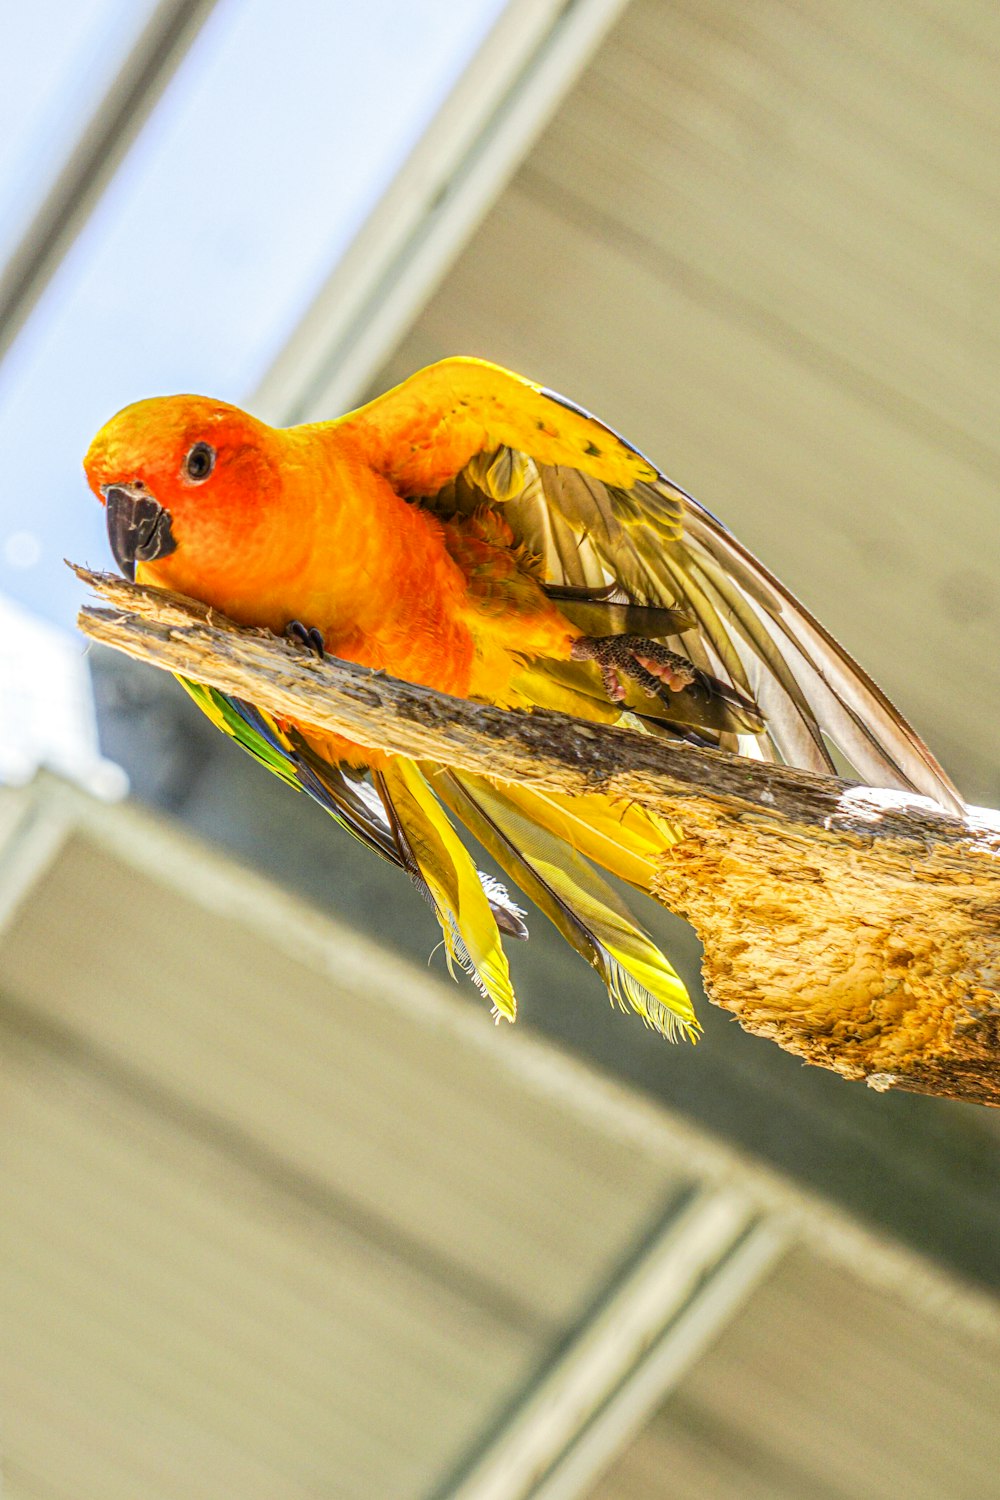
(192, 489)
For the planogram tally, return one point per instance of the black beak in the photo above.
(138, 527)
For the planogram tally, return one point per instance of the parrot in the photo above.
(475, 532)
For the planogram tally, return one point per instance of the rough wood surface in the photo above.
(857, 928)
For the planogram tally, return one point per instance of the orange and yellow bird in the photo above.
(476, 533)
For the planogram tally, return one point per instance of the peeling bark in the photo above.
(857, 928)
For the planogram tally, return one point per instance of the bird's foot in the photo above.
(645, 662)
(308, 636)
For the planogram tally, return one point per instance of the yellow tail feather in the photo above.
(471, 935)
(527, 836)
(620, 836)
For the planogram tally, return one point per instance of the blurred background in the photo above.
(282, 1214)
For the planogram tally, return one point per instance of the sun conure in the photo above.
(474, 532)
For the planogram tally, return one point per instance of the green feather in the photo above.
(217, 707)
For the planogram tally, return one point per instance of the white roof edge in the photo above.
(36, 820)
(475, 142)
(653, 1323)
(102, 144)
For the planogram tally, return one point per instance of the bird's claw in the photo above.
(648, 663)
(308, 636)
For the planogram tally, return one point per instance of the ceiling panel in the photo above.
(182, 1330)
(822, 1387)
(259, 1229)
(760, 240)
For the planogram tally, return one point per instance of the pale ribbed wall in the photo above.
(821, 1389)
(259, 1235)
(760, 239)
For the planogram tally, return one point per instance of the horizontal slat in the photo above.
(851, 1395)
(761, 242)
(386, 1118)
(795, 208)
(147, 1278)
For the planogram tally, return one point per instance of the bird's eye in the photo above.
(200, 462)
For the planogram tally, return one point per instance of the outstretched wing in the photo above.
(614, 537)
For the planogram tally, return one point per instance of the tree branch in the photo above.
(857, 928)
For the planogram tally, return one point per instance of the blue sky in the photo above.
(279, 131)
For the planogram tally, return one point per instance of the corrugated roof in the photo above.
(280, 1216)
(760, 241)
(258, 1224)
(822, 1387)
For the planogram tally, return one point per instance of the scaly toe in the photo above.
(676, 674)
(647, 663)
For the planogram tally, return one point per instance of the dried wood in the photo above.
(856, 927)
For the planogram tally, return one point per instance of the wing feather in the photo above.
(596, 515)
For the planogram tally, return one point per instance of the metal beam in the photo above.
(111, 130)
(506, 95)
(627, 1357)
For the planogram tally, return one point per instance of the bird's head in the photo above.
(190, 486)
